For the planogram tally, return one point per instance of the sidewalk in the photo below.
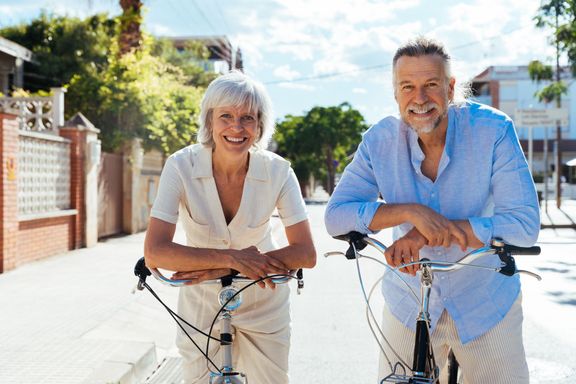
(552, 217)
(72, 318)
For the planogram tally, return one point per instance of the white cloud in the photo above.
(359, 90)
(285, 72)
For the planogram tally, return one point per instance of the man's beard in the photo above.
(428, 127)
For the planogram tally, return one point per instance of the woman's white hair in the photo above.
(235, 89)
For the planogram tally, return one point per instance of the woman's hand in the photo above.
(406, 250)
(199, 276)
(251, 263)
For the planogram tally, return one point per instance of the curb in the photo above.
(129, 364)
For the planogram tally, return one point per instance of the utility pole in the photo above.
(558, 162)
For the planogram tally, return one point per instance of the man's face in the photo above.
(423, 92)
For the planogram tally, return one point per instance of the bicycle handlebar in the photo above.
(142, 271)
(358, 241)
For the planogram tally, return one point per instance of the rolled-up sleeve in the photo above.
(169, 194)
(353, 204)
(291, 207)
(516, 217)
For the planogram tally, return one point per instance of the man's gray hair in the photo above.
(235, 89)
(424, 46)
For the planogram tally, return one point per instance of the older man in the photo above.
(452, 176)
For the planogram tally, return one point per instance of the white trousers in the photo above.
(261, 328)
(497, 357)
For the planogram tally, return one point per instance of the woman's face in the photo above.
(234, 129)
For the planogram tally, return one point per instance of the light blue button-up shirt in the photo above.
(482, 176)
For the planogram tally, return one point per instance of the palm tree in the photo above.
(131, 19)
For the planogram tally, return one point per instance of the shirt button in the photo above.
(225, 241)
(444, 299)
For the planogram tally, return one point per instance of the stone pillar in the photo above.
(133, 159)
(58, 107)
(8, 191)
(85, 157)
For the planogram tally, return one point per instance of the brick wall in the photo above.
(78, 181)
(36, 238)
(41, 238)
(8, 191)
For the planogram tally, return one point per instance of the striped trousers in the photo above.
(497, 357)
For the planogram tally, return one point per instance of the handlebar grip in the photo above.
(521, 251)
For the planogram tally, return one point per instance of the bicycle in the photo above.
(424, 368)
(230, 299)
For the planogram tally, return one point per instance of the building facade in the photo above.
(12, 58)
(509, 88)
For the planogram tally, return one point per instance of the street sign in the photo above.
(531, 118)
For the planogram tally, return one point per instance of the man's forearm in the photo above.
(390, 215)
(472, 240)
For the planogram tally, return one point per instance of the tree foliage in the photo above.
(560, 17)
(63, 47)
(321, 142)
(147, 92)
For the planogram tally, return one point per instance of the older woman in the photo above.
(224, 190)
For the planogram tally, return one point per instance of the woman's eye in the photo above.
(248, 118)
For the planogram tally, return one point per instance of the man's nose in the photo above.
(421, 96)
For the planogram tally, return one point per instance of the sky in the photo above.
(325, 52)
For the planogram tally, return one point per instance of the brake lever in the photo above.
(334, 253)
(532, 274)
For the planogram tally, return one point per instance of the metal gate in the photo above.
(110, 195)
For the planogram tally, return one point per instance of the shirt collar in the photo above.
(203, 164)
(417, 156)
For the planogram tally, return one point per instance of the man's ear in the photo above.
(451, 86)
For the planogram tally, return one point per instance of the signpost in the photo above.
(534, 118)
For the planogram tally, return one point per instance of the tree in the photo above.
(321, 142)
(187, 60)
(130, 37)
(560, 16)
(139, 95)
(63, 47)
(147, 92)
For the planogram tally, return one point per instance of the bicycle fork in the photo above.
(423, 364)
(230, 299)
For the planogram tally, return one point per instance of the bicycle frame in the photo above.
(229, 299)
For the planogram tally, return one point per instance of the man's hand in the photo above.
(406, 250)
(436, 229)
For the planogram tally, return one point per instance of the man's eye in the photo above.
(407, 88)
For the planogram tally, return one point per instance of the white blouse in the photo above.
(188, 191)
